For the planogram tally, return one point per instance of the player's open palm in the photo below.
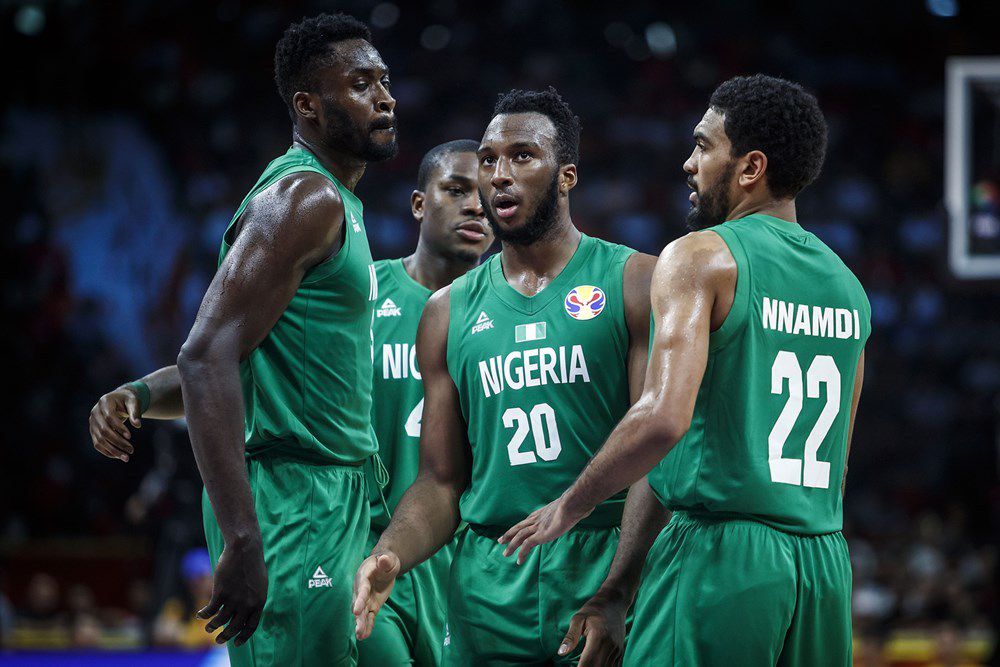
(372, 585)
(600, 623)
(108, 427)
(238, 594)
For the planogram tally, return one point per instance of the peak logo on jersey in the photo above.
(483, 322)
(585, 302)
(354, 224)
(388, 309)
(320, 580)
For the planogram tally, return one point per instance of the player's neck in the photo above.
(783, 209)
(531, 267)
(434, 270)
(347, 168)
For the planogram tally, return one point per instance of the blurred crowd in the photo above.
(129, 142)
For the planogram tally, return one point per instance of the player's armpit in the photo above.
(427, 515)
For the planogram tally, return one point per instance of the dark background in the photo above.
(130, 132)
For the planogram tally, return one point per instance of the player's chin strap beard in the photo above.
(535, 228)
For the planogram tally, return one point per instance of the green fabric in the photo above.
(409, 629)
(739, 592)
(502, 613)
(768, 436)
(141, 390)
(314, 522)
(307, 386)
(397, 391)
(539, 389)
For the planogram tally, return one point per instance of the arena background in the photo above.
(131, 132)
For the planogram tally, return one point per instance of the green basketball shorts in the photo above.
(500, 613)
(737, 592)
(314, 523)
(409, 629)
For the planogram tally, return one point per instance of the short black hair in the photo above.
(780, 118)
(550, 104)
(434, 155)
(305, 46)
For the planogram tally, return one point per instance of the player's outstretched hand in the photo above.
(372, 585)
(541, 526)
(601, 624)
(238, 593)
(107, 423)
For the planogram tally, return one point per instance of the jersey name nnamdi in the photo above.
(542, 380)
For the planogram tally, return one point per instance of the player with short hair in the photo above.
(453, 237)
(745, 422)
(276, 372)
(528, 362)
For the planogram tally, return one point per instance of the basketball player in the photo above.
(745, 422)
(276, 372)
(528, 362)
(453, 237)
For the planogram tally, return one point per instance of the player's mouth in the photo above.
(472, 230)
(506, 206)
(384, 127)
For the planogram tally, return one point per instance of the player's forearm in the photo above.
(640, 440)
(165, 397)
(425, 520)
(211, 384)
(642, 520)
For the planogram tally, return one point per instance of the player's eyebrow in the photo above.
(371, 71)
(523, 144)
(458, 178)
(701, 136)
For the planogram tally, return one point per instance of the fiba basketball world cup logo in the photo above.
(585, 302)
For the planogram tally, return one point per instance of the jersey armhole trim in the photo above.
(737, 316)
(456, 306)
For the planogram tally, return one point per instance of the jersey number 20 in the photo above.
(542, 418)
(809, 471)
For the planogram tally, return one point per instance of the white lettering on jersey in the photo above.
(533, 368)
(802, 320)
(399, 360)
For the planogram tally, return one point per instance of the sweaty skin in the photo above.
(292, 226)
(516, 160)
(693, 289)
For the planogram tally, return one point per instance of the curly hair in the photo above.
(305, 46)
(779, 118)
(433, 157)
(550, 104)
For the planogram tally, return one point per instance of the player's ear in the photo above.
(753, 167)
(306, 105)
(417, 205)
(567, 178)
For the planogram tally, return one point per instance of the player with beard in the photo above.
(744, 426)
(453, 237)
(528, 362)
(276, 377)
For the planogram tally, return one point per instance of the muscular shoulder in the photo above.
(636, 280)
(698, 257)
(304, 203)
(437, 310)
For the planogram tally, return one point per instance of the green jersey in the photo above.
(768, 438)
(397, 387)
(307, 386)
(542, 380)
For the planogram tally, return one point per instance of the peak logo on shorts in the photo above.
(585, 302)
(320, 580)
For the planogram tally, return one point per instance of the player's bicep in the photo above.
(281, 238)
(444, 450)
(684, 288)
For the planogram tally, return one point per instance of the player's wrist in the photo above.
(141, 391)
(575, 507)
